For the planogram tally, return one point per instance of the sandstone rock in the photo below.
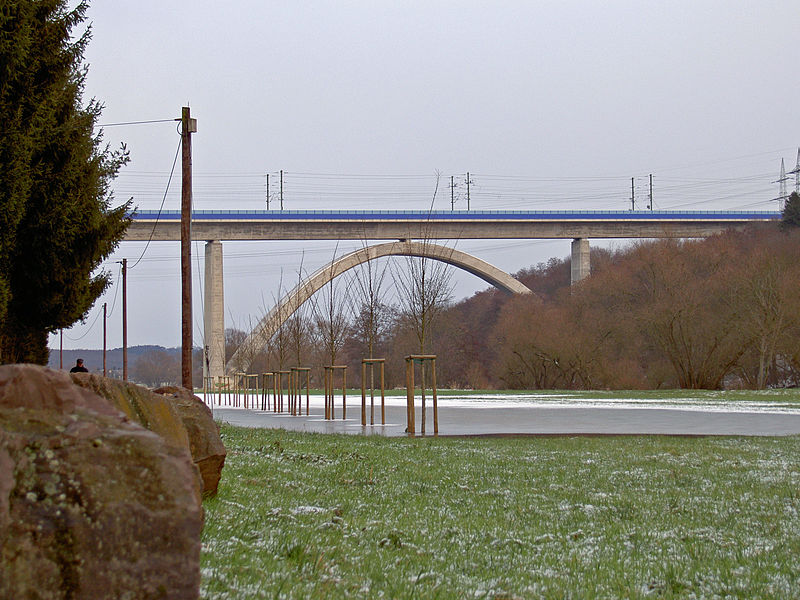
(92, 505)
(140, 405)
(205, 442)
(151, 411)
(172, 412)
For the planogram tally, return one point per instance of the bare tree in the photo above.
(371, 323)
(679, 301)
(278, 347)
(424, 291)
(372, 317)
(299, 327)
(157, 367)
(244, 357)
(764, 288)
(424, 288)
(330, 315)
(547, 346)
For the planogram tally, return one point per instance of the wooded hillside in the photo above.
(723, 311)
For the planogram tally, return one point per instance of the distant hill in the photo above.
(93, 359)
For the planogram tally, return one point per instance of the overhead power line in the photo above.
(306, 190)
(136, 123)
(150, 239)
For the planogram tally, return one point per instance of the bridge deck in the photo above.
(473, 215)
(398, 224)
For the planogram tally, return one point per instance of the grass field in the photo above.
(325, 516)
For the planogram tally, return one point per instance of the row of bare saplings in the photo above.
(352, 317)
(266, 391)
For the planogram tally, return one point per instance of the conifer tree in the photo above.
(57, 223)
(791, 211)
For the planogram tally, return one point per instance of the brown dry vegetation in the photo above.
(712, 313)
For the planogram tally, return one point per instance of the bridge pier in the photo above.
(214, 313)
(580, 263)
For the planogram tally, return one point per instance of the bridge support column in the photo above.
(580, 264)
(214, 313)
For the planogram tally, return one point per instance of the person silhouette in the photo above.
(79, 368)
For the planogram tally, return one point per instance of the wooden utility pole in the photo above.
(267, 191)
(651, 191)
(188, 127)
(124, 319)
(452, 193)
(281, 189)
(105, 315)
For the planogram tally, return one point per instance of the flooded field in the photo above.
(675, 413)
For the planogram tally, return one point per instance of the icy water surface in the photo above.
(532, 413)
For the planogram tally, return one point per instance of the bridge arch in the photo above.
(289, 304)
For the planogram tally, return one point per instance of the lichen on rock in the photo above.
(92, 505)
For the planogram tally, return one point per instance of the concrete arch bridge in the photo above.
(580, 226)
(291, 302)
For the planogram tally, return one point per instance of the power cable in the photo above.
(116, 289)
(160, 208)
(136, 123)
(97, 316)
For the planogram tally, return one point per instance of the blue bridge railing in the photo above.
(473, 215)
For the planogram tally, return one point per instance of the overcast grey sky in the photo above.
(549, 105)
